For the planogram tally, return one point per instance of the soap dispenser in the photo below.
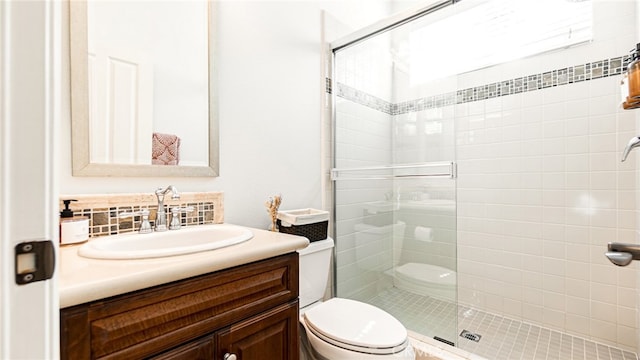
(73, 229)
(632, 78)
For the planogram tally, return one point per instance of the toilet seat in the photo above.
(356, 326)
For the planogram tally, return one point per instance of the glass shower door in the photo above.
(394, 187)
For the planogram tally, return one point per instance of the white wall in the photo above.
(271, 85)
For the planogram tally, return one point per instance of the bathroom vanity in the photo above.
(243, 304)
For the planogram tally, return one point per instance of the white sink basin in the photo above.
(187, 240)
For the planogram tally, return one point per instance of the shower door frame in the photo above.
(386, 25)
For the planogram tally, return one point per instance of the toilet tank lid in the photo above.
(356, 323)
(317, 246)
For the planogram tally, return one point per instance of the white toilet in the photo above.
(342, 329)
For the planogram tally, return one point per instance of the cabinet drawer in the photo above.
(148, 321)
(201, 349)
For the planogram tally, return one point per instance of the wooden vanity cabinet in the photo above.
(250, 311)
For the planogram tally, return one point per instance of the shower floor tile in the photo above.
(501, 338)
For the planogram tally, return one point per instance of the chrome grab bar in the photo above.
(339, 174)
(622, 254)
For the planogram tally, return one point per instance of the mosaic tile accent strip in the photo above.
(558, 77)
(363, 98)
(502, 338)
(103, 210)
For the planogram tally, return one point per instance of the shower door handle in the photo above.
(622, 254)
(403, 171)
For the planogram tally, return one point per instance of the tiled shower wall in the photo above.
(540, 188)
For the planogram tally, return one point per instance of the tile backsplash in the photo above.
(103, 210)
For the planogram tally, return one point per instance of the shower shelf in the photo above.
(404, 171)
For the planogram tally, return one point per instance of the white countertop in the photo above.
(82, 280)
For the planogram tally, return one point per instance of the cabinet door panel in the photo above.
(270, 335)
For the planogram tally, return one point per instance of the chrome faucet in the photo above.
(633, 143)
(161, 216)
(622, 254)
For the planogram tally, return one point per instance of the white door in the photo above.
(121, 111)
(29, 114)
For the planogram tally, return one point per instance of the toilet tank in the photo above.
(315, 261)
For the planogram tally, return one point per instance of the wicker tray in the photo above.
(313, 232)
(310, 223)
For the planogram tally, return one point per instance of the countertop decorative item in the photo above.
(272, 204)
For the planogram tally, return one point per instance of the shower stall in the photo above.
(476, 175)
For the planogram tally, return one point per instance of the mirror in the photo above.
(142, 88)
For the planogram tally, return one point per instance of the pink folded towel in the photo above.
(165, 149)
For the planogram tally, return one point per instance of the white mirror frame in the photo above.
(80, 147)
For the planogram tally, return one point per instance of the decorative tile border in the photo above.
(557, 77)
(363, 98)
(103, 210)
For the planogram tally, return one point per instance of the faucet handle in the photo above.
(175, 216)
(141, 212)
(633, 143)
(145, 226)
